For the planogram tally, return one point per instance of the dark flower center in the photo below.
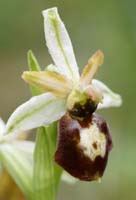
(82, 112)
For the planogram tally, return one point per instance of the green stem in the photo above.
(52, 139)
(46, 172)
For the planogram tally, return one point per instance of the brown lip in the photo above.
(72, 158)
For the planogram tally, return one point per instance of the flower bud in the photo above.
(83, 146)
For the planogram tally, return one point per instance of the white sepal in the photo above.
(2, 127)
(24, 145)
(59, 44)
(110, 99)
(53, 68)
(38, 111)
(19, 164)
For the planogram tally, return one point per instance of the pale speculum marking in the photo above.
(92, 142)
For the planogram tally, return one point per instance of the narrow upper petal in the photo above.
(110, 99)
(59, 44)
(48, 81)
(91, 68)
(38, 111)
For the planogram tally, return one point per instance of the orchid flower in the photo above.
(84, 139)
(61, 84)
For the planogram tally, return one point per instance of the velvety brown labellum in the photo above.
(71, 157)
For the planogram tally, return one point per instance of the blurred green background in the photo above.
(109, 25)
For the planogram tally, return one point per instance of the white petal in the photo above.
(2, 127)
(68, 178)
(38, 111)
(59, 44)
(110, 99)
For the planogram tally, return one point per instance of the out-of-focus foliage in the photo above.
(106, 25)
